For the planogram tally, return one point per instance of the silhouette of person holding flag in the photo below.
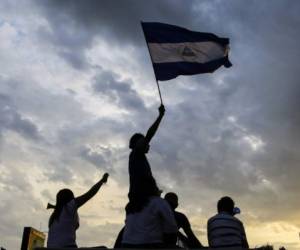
(142, 182)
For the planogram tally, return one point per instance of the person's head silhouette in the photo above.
(62, 198)
(137, 141)
(172, 199)
(226, 204)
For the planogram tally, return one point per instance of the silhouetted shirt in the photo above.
(150, 224)
(224, 230)
(62, 232)
(139, 172)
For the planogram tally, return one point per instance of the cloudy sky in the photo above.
(76, 82)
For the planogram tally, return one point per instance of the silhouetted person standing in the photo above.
(64, 221)
(141, 179)
(182, 222)
(223, 229)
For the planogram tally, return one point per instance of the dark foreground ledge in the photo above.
(101, 248)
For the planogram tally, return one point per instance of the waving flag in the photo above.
(178, 51)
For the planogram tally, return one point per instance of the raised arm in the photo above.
(80, 200)
(152, 130)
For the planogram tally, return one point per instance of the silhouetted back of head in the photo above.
(62, 198)
(134, 139)
(172, 199)
(225, 204)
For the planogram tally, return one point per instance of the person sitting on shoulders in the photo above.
(139, 167)
(64, 220)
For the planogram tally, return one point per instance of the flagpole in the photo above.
(161, 101)
(159, 91)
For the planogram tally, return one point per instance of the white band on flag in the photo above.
(197, 52)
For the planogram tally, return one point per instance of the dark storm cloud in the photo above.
(203, 148)
(47, 107)
(69, 41)
(73, 27)
(101, 157)
(120, 19)
(261, 91)
(86, 147)
(11, 119)
(119, 91)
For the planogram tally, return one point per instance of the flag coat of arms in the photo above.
(178, 51)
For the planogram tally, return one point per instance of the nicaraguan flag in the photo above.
(178, 51)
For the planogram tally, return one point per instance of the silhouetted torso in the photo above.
(138, 165)
(224, 230)
(139, 172)
(62, 232)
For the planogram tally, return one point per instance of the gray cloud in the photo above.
(117, 22)
(11, 119)
(19, 204)
(261, 98)
(119, 91)
(107, 234)
(234, 132)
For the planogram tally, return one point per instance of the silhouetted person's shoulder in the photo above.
(223, 217)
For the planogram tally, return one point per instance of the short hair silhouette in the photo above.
(62, 198)
(134, 139)
(225, 204)
(172, 199)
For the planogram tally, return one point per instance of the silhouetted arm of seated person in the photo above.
(118, 242)
(244, 239)
(81, 200)
(193, 242)
(170, 240)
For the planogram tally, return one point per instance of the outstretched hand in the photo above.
(104, 178)
(161, 110)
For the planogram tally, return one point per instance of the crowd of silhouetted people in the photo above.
(151, 221)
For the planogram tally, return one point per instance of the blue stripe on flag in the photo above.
(166, 33)
(167, 71)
